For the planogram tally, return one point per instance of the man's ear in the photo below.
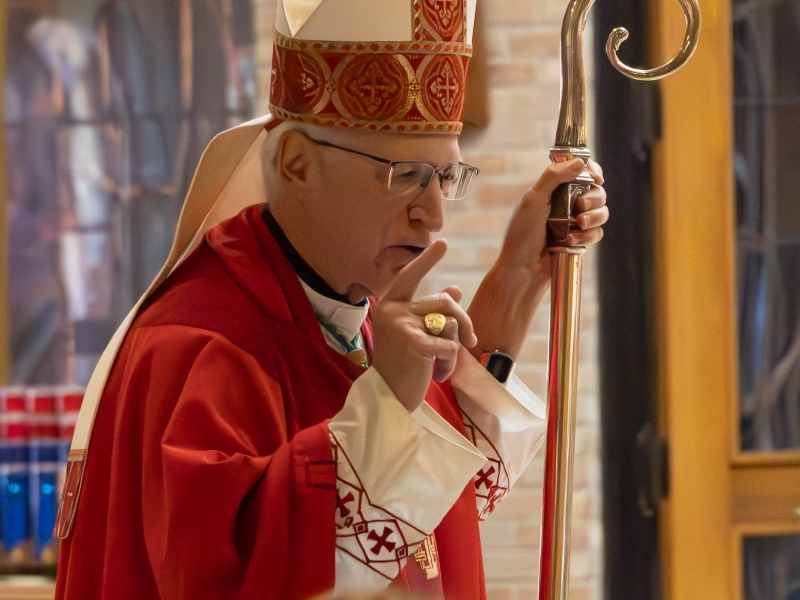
(295, 158)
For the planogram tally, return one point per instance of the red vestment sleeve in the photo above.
(230, 508)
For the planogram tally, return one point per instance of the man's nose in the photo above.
(428, 207)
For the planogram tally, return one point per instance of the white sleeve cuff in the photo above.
(507, 424)
(398, 474)
(514, 405)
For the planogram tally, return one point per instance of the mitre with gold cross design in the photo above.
(384, 65)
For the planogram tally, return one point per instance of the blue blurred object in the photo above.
(44, 466)
(14, 475)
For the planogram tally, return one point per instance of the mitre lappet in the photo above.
(396, 66)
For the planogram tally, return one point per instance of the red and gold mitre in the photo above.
(328, 68)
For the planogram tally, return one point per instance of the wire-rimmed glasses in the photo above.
(408, 178)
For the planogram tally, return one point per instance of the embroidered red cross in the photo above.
(381, 540)
(342, 502)
(483, 478)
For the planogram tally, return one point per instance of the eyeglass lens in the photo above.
(406, 177)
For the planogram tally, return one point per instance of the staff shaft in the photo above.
(565, 264)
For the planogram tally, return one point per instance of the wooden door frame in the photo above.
(695, 303)
(718, 494)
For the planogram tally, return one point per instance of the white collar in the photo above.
(347, 318)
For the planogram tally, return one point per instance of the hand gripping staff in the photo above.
(565, 267)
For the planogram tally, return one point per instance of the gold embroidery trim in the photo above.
(427, 558)
(415, 47)
(394, 126)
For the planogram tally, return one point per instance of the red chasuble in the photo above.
(210, 473)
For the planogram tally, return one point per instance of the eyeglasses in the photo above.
(408, 178)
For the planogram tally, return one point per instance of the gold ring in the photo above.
(434, 323)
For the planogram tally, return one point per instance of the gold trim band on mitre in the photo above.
(420, 47)
(386, 126)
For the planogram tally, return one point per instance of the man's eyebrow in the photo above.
(458, 160)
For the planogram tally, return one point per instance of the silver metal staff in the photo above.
(565, 265)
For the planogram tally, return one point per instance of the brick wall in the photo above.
(524, 71)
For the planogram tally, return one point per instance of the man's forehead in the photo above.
(433, 148)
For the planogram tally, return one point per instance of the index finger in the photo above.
(596, 171)
(408, 279)
(557, 173)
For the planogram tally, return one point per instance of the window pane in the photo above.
(772, 568)
(767, 141)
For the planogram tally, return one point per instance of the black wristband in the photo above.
(499, 364)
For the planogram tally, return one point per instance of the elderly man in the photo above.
(280, 415)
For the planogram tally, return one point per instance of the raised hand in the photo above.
(505, 302)
(405, 353)
(525, 241)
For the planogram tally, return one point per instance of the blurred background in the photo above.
(687, 476)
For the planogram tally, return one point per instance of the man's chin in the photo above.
(376, 288)
(357, 292)
(382, 280)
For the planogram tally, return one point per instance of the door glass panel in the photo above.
(772, 567)
(767, 142)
